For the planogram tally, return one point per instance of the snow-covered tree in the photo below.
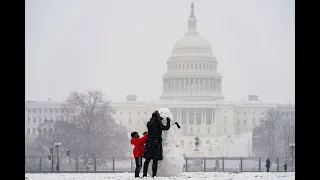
(273, 136)
(89, 129)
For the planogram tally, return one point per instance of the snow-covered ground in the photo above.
(187, 175)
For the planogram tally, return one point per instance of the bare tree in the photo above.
(89, 129)
(273, 135)
(97, 133)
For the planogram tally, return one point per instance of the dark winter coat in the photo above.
(153, 146)
(138, 143)
(268, 163)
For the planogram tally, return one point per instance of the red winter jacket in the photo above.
(138, 143)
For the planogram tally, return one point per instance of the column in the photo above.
(214, 85)
(202, 117)
(203, 85)
(174, 85)
(163, 86)
(187, 116)
(213, 115)
(198, 85)
(209, 85)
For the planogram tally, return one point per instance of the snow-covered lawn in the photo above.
(187, 175)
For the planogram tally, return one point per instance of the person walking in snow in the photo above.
(268, 164)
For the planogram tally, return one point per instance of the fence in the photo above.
(124, 164)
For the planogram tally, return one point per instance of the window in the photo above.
(145, 113)
(138, 113)
(129, 121)
(181, 142)
(238, 122)
(34, 110)
(253, 122)
(40, 119)
(28, 130)
(56, 110)
(34, 120)
(208, 130)
(40, 110)
(33, 131)
(198, 130)
(29, 110)
(29, 120)
(245, 122)
(191, 66)
(39, 131)
(262, 113)
(287, 113)
(191, 130)
(254, 113)
(245, 113)
(129, 113)
(292, 113)
(207, 142)
(196, 67)
(121, 113)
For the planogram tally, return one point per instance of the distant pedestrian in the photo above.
(285, 167)
(268, 163)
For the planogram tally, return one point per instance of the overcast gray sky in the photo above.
(121, 46)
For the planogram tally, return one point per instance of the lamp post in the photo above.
(292, 146)
(57, 146)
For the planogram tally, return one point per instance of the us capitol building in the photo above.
(192, 91)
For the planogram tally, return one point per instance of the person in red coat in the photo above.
(138, 150)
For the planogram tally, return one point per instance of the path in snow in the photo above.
(187, 175)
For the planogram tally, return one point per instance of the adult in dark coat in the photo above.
(153, 146)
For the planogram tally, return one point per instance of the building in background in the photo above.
(192, 91)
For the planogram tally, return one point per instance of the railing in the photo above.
(127, 164)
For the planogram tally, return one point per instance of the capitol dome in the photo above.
(193, 43)
(192, 68)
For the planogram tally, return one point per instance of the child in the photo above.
(138, 150)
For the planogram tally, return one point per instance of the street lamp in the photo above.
(292, 146)
(57, 146)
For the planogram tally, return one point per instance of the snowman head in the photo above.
(165, 112)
